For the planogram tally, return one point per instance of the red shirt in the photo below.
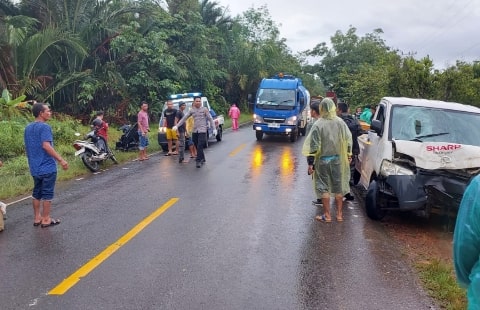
(102, 131)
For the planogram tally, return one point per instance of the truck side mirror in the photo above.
(377, 127)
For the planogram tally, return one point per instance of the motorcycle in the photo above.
(93, 152)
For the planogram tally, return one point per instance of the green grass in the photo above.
(15, 175)
(439, 281)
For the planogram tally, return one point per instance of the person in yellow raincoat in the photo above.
(328, 147)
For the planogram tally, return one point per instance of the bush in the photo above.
(11, 139)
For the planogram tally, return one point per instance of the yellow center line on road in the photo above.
(238, 149)
(83, 271)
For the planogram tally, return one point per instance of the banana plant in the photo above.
(12, 107)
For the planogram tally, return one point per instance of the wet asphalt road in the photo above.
(238, 233)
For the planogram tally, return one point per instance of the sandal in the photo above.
(339, 219)
(322, 218)
(52, 223)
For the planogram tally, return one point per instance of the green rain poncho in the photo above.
(329, 136)
(366, 116)
(466, 243)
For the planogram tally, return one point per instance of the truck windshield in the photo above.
(424, 124)
(276, 99)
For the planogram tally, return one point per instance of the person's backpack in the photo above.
(355, 129)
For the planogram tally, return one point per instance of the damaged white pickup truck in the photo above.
(419, 155)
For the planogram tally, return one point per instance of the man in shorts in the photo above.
(169, 121)
(143, 129)
(41, 155)
(202, 121)
(328, 147)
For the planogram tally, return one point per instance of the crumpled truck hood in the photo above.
(440, 155)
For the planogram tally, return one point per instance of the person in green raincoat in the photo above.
(366, 115)
(466, 243)
(328, 147)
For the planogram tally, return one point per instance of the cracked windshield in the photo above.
(435, 125)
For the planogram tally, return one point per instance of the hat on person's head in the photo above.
(181, 103)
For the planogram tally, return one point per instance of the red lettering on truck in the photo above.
(446, 147)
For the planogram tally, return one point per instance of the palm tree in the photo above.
(93, 24)
(215, 15)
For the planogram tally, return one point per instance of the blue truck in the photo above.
(281, 107)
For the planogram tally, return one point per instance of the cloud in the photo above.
(444, 30)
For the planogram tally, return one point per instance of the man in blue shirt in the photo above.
(41, 157)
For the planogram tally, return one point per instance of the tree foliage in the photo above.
(86, 55)
(364, 69)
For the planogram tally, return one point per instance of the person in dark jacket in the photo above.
(355, 130)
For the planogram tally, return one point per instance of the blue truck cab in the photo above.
(280, 107)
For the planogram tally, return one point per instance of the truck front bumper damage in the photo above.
(427, 191)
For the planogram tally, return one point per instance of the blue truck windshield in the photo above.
(276, 99)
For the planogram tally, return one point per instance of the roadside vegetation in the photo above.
(81, 56)
(440, 283)
(427, 245)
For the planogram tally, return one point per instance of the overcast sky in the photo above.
(446, 30)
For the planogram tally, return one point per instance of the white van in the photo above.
(188, 99)
(419, 155)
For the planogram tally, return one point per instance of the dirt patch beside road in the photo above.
(427, 246)
(422, 239)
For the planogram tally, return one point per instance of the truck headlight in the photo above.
(388, 168)
(162, 129)
(257, 119)
(292, 120)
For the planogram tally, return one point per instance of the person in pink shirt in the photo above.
(234, 114)
(143, 129)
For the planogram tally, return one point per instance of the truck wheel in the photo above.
(219, 134)
(372, 202)
(259, 135)
(294, 135)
